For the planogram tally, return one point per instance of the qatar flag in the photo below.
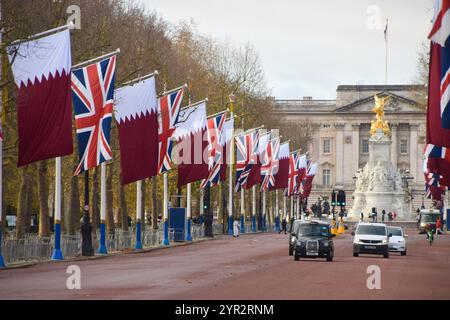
(191, 151)
(282, 175)
(227, 136)
(307, 181)
(42, 72)
(254, 177)
(137, 122)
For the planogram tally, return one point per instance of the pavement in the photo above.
(253, 266)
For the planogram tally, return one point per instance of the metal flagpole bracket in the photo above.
(165, 93)
(105, 56)
(218, 113)
(193, 104)
(42, 34)
(249, 131)
(134, 81)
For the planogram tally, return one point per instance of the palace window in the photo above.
(326, 146)
(326, 177)
(365, 146)
(403, 146)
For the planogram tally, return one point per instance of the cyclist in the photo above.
(429, 231)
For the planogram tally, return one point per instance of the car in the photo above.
(314, 240)
(427, 217)
(371, 238)
(397, 243)
(293, 235)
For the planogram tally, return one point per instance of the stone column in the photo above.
(339, 153)
(413, 150)
(355, 148)
(394, 145)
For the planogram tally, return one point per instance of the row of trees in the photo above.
(211, 68)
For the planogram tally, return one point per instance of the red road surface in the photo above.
(250, 267)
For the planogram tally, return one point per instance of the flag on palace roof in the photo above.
(93, 100)
(137, 122)
(41, 70)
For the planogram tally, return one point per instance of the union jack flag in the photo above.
(246, 156)
(293, 173)
(433, 187)
(215, 128)
(168, 112)
(93, 99)
(270, 164)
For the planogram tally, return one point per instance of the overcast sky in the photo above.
(309, 47)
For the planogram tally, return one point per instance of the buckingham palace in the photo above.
(340, 135)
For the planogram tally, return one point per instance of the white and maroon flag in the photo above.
(227, 136)
(41, 71)
(137, 121)
(282, 175)
(192, 144)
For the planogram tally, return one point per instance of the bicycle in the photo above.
(430, 234)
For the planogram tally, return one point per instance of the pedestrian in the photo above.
(361, 217)
(236, 224)
(390, 216)
(374, 214)
(394, 215)
(383, 214)
(283, 226)
(438, 225)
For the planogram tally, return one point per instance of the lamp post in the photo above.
(232, 99)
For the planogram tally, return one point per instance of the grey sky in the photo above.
(308, 47)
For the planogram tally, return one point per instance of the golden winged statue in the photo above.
(380, 103)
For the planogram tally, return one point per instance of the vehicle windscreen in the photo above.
(296, 226)
(313, 230)
(395, 231)
(371, 230)
(429, 218)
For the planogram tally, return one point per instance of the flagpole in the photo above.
(254, 209)
(91, 61)
(230, 183)
(242, 210)
(291, 212)
(298, 207)
(277, 213)
(2, 261)
(264, 210)
(57, 253)
(42, 34)
(188, 212)
(188, 200)
(284, 207)
(166, 241)
(102, 249)
(386, 61)
(138, 214)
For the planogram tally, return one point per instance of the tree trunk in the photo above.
(73, 221)
(154, 203)
(109, 200)
(123, 208)
(44, 222)
(95, 209)
(142, 213)
(22, 203)
(29, 200)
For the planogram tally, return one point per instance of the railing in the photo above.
(35, 248)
